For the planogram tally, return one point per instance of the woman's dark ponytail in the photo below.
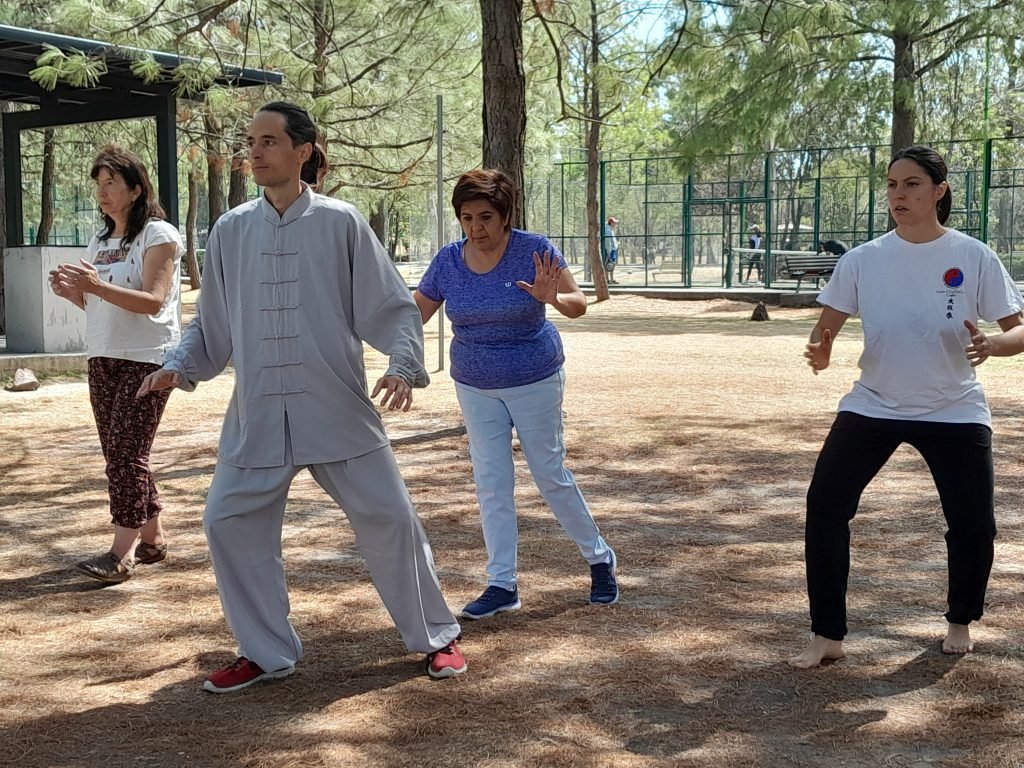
(945, 205)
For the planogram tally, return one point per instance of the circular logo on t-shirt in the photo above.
(954, 278)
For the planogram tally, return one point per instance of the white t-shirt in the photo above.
(913, 299)
(118, 333)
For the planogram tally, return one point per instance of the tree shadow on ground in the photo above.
(47, 583)
(686, 671)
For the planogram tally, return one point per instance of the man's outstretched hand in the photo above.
(397, 393)
(156, 381)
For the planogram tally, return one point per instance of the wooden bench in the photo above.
(799, 265)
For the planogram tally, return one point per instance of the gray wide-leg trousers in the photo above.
(243, 521)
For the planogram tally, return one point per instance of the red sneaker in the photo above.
(241, 674)
(446, 662)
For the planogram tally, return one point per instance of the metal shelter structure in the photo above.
(119, 94)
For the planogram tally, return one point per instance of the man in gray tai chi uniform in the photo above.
(293, 284)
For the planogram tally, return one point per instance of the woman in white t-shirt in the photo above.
(919, 291)
(129, 287)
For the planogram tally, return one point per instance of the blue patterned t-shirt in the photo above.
(500, 334)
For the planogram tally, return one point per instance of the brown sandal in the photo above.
(146, 554)
(108, 568)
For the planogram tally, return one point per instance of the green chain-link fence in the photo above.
(681, 226)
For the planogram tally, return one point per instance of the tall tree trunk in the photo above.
(392, 231)
(214, 168)
(798, 234)
(904, 80)
(504, 113)
(191, 262)
(237, 179)
(595, 227)
(1014, 61)
(378, 222)
(1003, 232)
(321, 39)
(46, 189)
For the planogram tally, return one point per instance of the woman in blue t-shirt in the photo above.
(506, 360)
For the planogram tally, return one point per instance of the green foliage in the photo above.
(74, 17)
(146, 68)
(767, 74)
(737, 77)
(76, 69)
(632, 116)
(195, 77)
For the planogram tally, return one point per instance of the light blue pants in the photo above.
(535, 410)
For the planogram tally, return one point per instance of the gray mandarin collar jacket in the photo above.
(290, 298)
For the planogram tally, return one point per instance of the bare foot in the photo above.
(819, 650)
(958, 640)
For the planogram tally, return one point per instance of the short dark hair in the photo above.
(118, 161)
(297, 123)
(932, 163)
(490, 185)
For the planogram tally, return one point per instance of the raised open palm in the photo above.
(547, 273)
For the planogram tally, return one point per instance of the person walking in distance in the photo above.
(755, 242)
(611, 248)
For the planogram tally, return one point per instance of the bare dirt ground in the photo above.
(693, 433)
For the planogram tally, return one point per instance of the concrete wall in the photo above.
(37, 320)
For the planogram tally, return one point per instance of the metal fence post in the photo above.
(768, 220)
(986, 184)
(602, 215)
(547, 231)
(440, 219)
(817, 204)
(687, 265)
(647, 217)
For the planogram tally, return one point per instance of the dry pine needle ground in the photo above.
(693, 433)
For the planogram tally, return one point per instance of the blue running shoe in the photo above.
(493, 600)
(604, 590)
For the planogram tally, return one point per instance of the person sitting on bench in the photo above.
(838, 247)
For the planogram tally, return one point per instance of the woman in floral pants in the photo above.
(129, 287)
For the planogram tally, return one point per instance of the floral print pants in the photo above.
(127, 427)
